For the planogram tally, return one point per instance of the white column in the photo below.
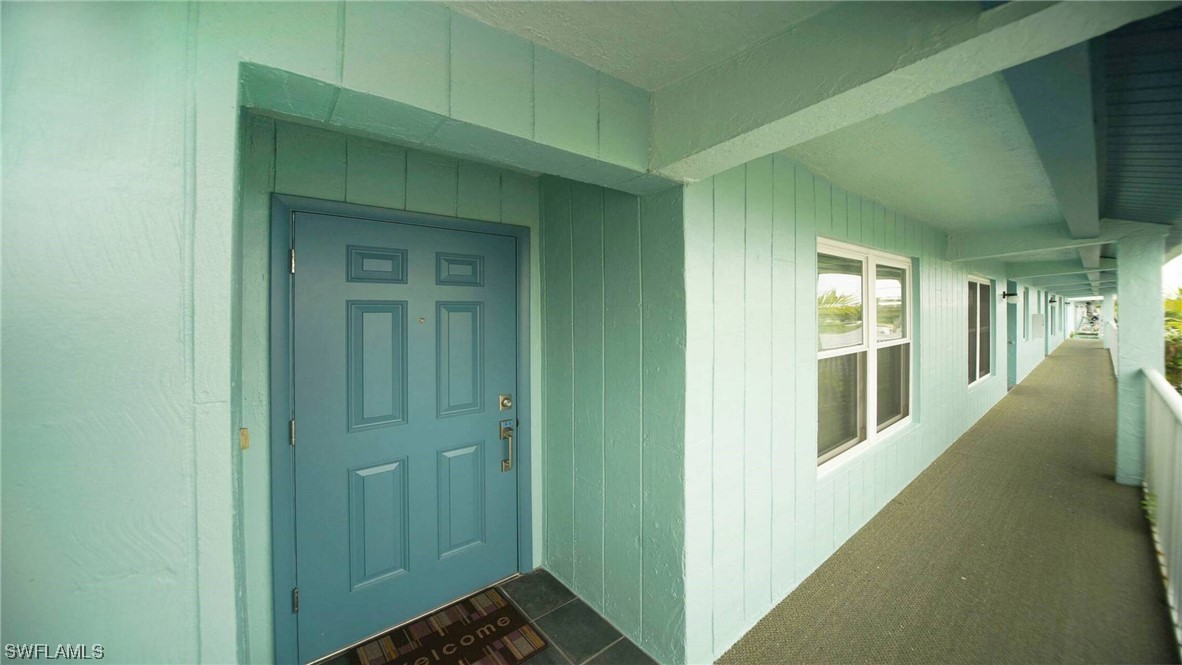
(1106, 316)
(1140, 346)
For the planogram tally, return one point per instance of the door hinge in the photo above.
(291, 431)
(291, 254)
(295, 600)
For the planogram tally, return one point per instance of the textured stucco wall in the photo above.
(614, 379)
(102, 413)
(759, 517)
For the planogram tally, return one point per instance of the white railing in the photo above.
(1111, 339)
(1163, 481)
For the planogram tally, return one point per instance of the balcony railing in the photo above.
(1163, 481)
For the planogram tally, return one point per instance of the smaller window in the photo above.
(1026, 312)
(979, 334)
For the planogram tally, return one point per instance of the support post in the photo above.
(1106, 310)
(1140, 346)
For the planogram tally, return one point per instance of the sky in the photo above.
(1171, 276)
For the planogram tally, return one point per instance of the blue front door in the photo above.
(404, 341)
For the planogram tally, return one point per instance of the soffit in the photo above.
(647, 44)
(960, 160)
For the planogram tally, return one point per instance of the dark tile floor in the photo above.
(577, 635)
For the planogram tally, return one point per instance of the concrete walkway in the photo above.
(1015, 546)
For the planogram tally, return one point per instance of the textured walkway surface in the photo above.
(1015, 546)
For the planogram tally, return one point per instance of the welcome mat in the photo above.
(483, 629)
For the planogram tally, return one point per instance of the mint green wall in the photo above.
(418, 73)
(134, 317)
(614, 381)
(124, 324)
(1032, 350)
(758, 517)
(102, 413)
(294, 159)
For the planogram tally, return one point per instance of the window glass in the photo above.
(893, 382)
(839, 302)
(889, 297)
(864, 346)
(972, 331)
(840, 399)
(984, 346)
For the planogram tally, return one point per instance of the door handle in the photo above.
(507, 434)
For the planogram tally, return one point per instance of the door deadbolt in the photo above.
(506, 402)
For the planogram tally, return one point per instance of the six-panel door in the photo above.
(403, 338)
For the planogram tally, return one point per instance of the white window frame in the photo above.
(871, 259)
(992, 356)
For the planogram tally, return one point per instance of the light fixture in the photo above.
(1052, 300)
(1010, 298)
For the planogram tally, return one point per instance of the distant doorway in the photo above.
(1011, 338)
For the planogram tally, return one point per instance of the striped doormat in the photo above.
(482, 629)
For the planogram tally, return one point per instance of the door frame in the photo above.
(283, 210)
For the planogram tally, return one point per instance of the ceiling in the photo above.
(647, 44)
(1142, 119)
(958, 160)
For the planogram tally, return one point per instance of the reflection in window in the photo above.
(980, 341)
(863, 381)
(839, 302)
(983, 344)
(888, 294)
(841, 393)
(894, 398)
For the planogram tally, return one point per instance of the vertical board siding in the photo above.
(622, 452)
(729, 424)
(304, 161)
(757, 415)
(699, 412)
(662, 281)
(769, 520)
(589, 415)
(558, 372)
(614, 339)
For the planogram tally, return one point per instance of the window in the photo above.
(1026, 312)
(980, 342)
(863, 345)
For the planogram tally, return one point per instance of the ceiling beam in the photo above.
(1047, 268)
(1086, 286)
(1081, 285)
(790, 89)
(976, 245)
(1054, 96)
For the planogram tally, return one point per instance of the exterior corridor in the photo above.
(1015, 546)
